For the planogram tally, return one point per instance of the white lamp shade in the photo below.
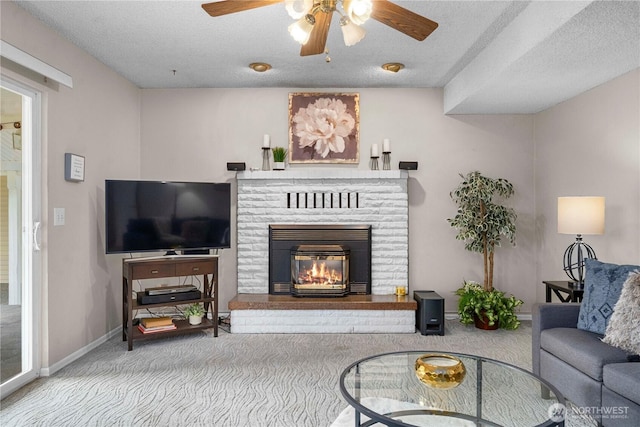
(581, 215)
(301, 30)
(358, 11)
(298, 8)
(351, 33)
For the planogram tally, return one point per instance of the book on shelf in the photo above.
(156, 329)
(152, 322)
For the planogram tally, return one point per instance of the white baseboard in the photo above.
(454, 316)
(45, 372)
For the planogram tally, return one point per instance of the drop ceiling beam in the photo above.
(535, 24)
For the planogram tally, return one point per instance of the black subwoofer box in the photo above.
(409, 166)
(180, 296)
(430, 313)
(236, 166)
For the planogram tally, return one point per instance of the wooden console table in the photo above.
(169, 266)
(561, 287)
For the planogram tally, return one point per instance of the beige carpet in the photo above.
(233, 380)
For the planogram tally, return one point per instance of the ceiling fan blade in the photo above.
(403, 20)
(319, 34)
(226, 7)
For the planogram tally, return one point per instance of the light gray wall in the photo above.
(190, 134)
(98, 119)
(590, 146)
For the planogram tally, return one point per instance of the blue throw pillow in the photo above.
(602, 286)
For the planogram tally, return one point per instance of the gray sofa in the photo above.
(601, 380)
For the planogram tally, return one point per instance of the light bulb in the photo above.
(358, 11)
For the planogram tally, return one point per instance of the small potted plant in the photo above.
(487, 309)
(194, 313)
(279, 156)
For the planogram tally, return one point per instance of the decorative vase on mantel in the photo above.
(279, 156)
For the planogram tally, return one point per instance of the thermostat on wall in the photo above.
(73, 167)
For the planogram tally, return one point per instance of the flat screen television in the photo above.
(153, 216)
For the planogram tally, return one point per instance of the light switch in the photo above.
(58, 216)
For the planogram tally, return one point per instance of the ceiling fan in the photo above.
(314, 18)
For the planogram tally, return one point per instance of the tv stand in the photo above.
(171, 266)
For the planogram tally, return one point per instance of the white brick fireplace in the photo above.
(323, 196)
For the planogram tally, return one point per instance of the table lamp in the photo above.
(579, 215)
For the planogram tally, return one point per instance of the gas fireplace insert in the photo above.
(319, 259)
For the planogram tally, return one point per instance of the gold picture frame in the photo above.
(324, 128)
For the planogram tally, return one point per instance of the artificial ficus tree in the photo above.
(481, 220)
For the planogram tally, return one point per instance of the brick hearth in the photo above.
(264, 313)
(350, 302)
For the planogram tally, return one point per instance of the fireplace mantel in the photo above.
(324, 173)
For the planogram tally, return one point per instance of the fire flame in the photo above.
(320, 274)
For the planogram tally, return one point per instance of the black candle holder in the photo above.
(386, 160)
(265, 159)
(374, 163)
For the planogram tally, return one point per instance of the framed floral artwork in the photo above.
(324, 128)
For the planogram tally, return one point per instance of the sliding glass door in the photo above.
(20, 258)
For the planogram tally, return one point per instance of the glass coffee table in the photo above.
(385, 389)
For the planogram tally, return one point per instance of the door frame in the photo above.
(31, 233)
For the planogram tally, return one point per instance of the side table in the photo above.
(561, 287)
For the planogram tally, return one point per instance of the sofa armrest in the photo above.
(548, 316)
(555, 315)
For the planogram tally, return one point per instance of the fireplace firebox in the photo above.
(341, 250)
(320, 270)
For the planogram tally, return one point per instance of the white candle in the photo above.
(374, 150)
(266, 142)
(385, 146)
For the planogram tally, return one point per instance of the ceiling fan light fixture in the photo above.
(392, 67)
(301, 29)
(351, 33)
(313, 38)
(298, 8)
(358, 11)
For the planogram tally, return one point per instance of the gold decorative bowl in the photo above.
(441, 371)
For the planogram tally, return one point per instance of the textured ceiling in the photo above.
(490, 56)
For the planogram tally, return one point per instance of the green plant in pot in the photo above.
(194, 313)
(482, 222)
(487, 309)
(279, 156)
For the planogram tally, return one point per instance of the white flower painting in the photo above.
(323, 128)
